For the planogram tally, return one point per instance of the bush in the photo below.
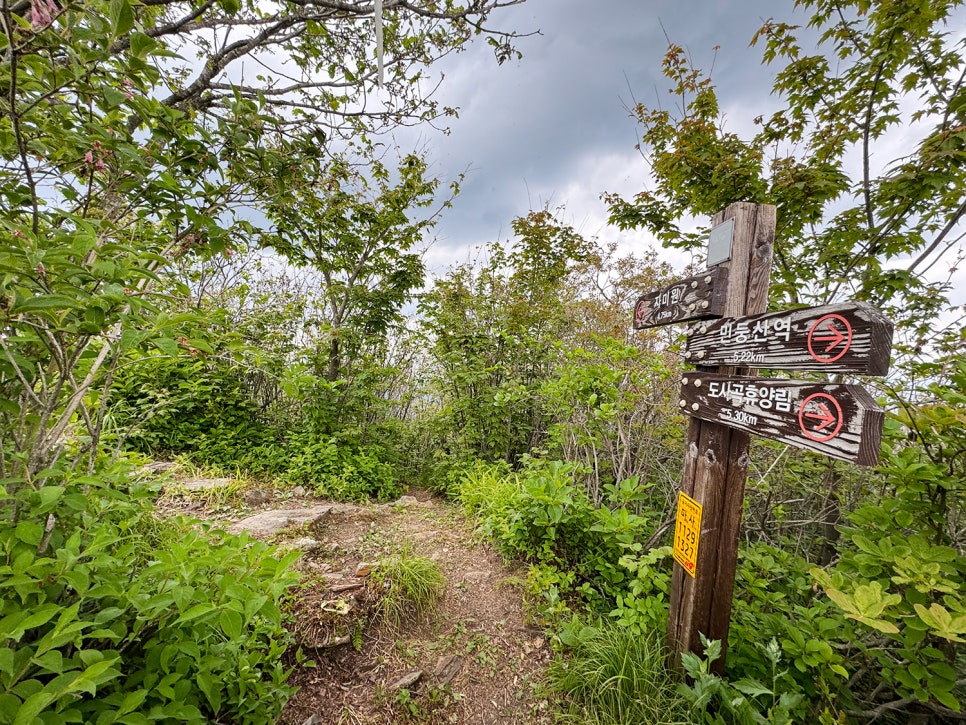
(543, 516)
(341, 473)
(108, 614)
(196, 407)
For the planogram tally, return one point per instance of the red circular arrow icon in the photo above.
(820, 417)
(829, 344)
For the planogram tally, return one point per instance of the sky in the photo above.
(553, 129)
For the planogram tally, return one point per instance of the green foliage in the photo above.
(879, 69)
(494, 332)
(643, 605)
(108, 614)
(340, 472)
(745, 701)
(542, 515)
(165, 406)
(612, 675)
(412, 586)
(612, 411)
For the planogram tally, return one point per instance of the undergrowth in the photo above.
(612, 676)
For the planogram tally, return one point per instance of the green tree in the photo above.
(495, 332)
(855, 220)
(361, 234)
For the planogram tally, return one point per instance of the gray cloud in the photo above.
(554, 128)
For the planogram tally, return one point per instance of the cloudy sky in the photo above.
(553, 128)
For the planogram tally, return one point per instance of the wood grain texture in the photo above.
(839, 421)
(850, 337)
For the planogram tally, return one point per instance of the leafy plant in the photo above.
(117, 615)
(745, 701)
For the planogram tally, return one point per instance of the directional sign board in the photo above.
(841, 421)
(852, 337)
(694, 298)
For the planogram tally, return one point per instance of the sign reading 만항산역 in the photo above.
(851, 337)
(687, 533)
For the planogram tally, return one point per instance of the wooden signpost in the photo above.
(727, 403)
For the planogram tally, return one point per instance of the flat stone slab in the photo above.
(269, 523)
(202, 484)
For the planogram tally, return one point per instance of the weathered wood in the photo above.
(840, 421)
(851, 337)
(695, 298)
(716, 460)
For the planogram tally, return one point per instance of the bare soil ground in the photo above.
(477, 658)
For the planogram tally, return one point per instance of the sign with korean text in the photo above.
(687, 533)
(841, 421)
(851, 337)
(695, 298)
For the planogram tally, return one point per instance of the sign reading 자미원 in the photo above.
(694, 298)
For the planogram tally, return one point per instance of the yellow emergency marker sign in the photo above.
(687, 533)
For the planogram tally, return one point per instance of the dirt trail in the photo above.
(480, 662)
(478, 628)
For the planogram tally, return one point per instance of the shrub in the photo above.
(341, 473)
(108, 614)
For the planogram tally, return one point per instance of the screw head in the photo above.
(694, 284)
(682, 403)
(707, 280)
(701, 354)
(705, 305)
(697, 383)
(694, 406)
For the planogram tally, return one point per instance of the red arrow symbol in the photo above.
(836, 337)
(823, 415)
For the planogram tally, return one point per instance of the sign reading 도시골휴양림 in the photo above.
(850, 337)
(687, 533)
(840, 421)
(695, 298)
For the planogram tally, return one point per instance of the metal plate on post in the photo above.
(719, 242)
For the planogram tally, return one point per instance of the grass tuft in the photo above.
(612, 676)
(413, 585)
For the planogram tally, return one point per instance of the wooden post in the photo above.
(716, 458)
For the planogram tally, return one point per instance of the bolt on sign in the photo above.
(687, 533)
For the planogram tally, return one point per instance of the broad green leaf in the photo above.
(122, 16)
